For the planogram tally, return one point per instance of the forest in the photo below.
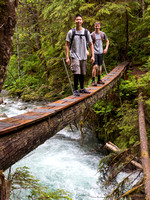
(36, 71)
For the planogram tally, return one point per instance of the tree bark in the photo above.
(8, 17)
(127, 34)
(144, 148)
(18, 51)
(2, 186)
(143, 9)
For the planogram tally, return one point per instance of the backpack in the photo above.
(74, 33)
(94, 36)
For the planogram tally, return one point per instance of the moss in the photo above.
(15, 92)
(48, 96)
(31, 97)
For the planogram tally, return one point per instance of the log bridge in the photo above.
(21, 134)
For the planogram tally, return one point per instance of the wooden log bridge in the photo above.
(21, 134)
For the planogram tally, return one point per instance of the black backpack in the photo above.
(74, 33)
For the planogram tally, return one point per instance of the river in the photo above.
(62, 162)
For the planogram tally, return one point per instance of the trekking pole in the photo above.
(105, 67)
(67, 74)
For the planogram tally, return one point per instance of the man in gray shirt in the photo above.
(98, 37)
(76, 42)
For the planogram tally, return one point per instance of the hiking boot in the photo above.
(76, 93)
(100, 82)
(94, 84)
(84, 91)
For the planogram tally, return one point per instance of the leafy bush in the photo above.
(24, 184)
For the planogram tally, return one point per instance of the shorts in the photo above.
(98, 59)
(78, 66)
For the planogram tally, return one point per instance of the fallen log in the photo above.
(115, 149)
(21, 134)
(144, 148)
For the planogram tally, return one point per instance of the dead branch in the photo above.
(130, 191)
(115, 149)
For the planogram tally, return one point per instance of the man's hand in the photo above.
(92, 59)
(67, 45)
(92, 52)
(87, 53)
(105, 50)
(107, 45)
(68, 61)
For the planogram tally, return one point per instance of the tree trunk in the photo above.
(8, 15)
(18, 51)
(144, 148)
(4, 187)
(143, 7)
(127, 34)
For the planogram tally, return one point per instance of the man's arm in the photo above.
(92, 51)
(67, 45)
(107, 45)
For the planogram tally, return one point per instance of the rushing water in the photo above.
(11, 107)
(62, 162)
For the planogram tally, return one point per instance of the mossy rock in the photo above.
(30, 97)
(16, 92)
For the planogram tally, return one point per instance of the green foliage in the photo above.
(129, 88)
(148, 106)
(119, 122)
(144, 83)
(42, 28)
(127, 124)
(99, 108)
(28, 186)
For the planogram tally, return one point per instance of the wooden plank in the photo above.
(6, 125)
(40, 110)
(28, 117)
(57, 104)
(69, 100)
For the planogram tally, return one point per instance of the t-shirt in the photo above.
(98, 45)
(79, 44)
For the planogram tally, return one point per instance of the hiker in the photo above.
(98, 37)
(76, 41)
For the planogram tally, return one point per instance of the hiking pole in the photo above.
(67, 74)
(105, 67)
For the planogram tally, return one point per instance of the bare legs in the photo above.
(99, 71)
